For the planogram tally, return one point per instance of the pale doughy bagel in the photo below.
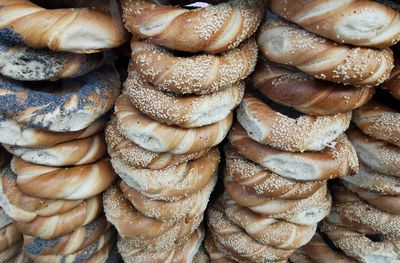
(130, 154)
(379, 155)
(338, 160)
(378, 121)
(188, 111)
(76, 152)
(71, 183)
(79, 30)
(211, 29)
(174, 182)
(305, 133)
(72, 107)
(199, 74)
(23, 63)
(158, 137)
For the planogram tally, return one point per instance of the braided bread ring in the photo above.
(158, 137)
(174, 182)
(71, 183)
(76, 152)
(62, 224)
(188, 111)
(187, 207)
(391, 83)
(13, 134)
(201, 256)
(360, 23)
(11, 252)
(212, 29)
(108, 254)
(81, 102)
(78, 30)
(25, 208)
(379, 122)
(263, 182)
(267, 230)
(293, 88)
(130, 154)
(305, 133)
(215, 255)
(287, 44)
(381, 156)
(9, 236)
(198, 74)
(332, 162)
(28, 64)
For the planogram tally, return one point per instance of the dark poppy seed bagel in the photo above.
(72, 107)
(29, 64)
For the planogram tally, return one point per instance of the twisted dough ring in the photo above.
(287, 44)
(9, 254)
(158, 137)
(80, 102)
(332, 162)
(78, 30)
(28, 64)
(199, 74)
(212, 29)
(305, 133)
(263, 182)
(188, 111)
(9, 236)
(378, 121)
(184, 252)
(62, 224)
(215, 255)
(70, 183)
(381, 156)
(130, 154)
(15, 135)
(360, 247)
(391, 83)
(293, 88)
(266, 230)
(187, 207)
(360, 23)
(76, 152)
(144, 232)
(174, 182)
(236, 244)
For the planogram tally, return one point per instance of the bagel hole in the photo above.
(384, 97)
(188, 4)
(57, 88)
(103, 5)
(375, 238)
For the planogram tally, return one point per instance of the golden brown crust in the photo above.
(215, 255)
(9, 236)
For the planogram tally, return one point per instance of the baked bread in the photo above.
(293, 88)
(9, 236)
(8, 254)
(157, 137)
(78, 30)
(198, 74)
(360, 23)
(338, 160)
(4, 218)
(391, 83)
(212, 29)
(286, 43)
(215, 255)
(23, 63)
(305, 133)
(72, 107)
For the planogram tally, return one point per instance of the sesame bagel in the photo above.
(174, 182)
(305, 133)
(198, 74)
(379, 122)
(70, 183)
(72, 107)
(130, 154)
(185, 111)
(215, 255)
(157, 137)
(75, 152)
(211, 29)
(23, 63)
(336, 161)
(78, 30)
(306, 94)
(379, 155)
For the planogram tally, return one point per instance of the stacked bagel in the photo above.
(175, 109)
(56, 87)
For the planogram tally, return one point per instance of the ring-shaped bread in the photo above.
(305, 133)
(9, 236)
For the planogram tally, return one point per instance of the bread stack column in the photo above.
(55, 89)
(175, 109)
